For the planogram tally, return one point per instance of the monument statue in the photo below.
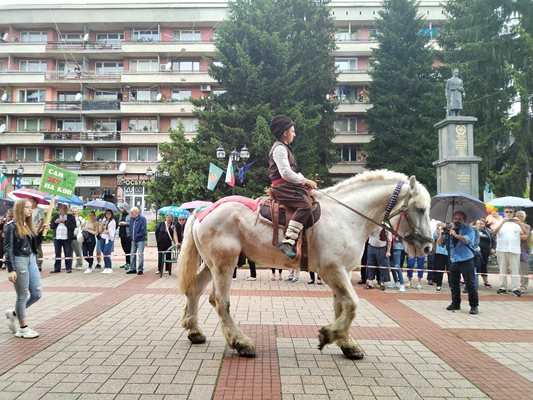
(454, 94)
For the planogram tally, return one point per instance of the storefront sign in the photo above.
(131, 182)
(88, 181)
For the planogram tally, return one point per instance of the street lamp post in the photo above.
(16, 172)
(157, 173)
(234, 157)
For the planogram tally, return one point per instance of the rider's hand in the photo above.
(310, 184)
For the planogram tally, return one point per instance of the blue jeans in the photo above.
(137, 256)
(397, 273)
(419, 264)
(107, 249)
(28, 284)
(66, 245)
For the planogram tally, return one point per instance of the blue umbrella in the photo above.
(74, 200)
(174, 210)
(101, 205)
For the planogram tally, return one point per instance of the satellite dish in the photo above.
(4, 97)
(2, 128)
(168, 66)
(159, 97)
(85, 37)
(78, 97)
(79, 156)
(122, 167)
(5, 37)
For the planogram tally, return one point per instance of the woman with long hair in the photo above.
(20, 247)
(107, 238)
(89, 231)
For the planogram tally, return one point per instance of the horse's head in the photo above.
(414, 220)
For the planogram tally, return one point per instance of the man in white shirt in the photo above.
(507, 233)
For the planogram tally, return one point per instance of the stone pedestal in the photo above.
(457, 166)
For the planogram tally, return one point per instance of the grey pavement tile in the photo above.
(17, 386)
(174, 388)
(121, 396)
(64, 387)
(33, 393)
(340, 394)
(309, 397)
(467, 392)
(74, 378)
(97, 396)
(139, 388)
(61, 396)
(315, 389)
(140, 378)
(201, 392)
(50, 380)
(88, 387)
(112, 386)
(27, 377)
(97, 378)
(205, 380)
(358, 391)
(10, 395)
(184, 377)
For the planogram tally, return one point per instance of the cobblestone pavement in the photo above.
(118, 336)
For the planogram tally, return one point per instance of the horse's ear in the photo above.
(412, 183)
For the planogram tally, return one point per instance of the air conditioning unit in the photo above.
(205, 88)
(163, 68)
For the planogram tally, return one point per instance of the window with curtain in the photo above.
(32, 95)
(142, 154)
(30, 124)
(30, 154)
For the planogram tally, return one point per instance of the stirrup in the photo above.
(287, 249)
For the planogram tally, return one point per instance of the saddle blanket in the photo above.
(250, 203)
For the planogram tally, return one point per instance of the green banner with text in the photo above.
(58, 181)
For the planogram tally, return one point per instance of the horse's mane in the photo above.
(366, 177)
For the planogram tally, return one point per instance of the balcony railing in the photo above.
(84, 75)
(82, 135)
(85, 165)
(86, 105)
(81, 45)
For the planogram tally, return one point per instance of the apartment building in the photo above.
(94, 86)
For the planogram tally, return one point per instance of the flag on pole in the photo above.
(214, 175)
(243, 170)
(230, 175)
(3, 184)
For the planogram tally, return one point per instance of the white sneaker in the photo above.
(402, 288)
(12, 321)
(391, 286)
(88, 271)
(26, 333)
(109, 270)
(398, 285)
(419, 286)
(79, 267)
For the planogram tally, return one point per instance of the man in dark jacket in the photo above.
(124, 233)
(63, 225)
(138, 238)
(164, 236)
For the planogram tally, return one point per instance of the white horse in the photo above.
(335, 244)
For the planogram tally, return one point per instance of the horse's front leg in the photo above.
(189, 318)
(235, 337)
(345, 302)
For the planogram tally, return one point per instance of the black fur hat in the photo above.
(279, 124)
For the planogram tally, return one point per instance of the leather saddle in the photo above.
(279, 215)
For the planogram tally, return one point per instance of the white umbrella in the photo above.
(511, 201)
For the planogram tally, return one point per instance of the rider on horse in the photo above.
(289, 187)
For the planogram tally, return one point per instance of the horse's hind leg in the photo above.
(235, 337)
(345, 305)
(189, 318)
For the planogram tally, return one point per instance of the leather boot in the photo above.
(287, 247)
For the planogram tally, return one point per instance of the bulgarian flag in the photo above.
(3, 183)
(230, 175)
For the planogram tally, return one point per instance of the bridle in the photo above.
(413, 234)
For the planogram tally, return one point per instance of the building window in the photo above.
(143, 95)
(68, 68)
(142, 154)
(346, 94)
(181, 94)
(140, 35)
(68, 125)
(66, 96)
(144, 65)
(109, 68)
(106, 125)
(34, 154)
(106, 96)
(30, 124)
(66, 154)
(186, 66)
(187, 36)
(32, 95)
(345, 35)
(346, 125)
(142, 125)
(346, 64)
(33, 37)
(32, 65)
(190, 125)
(114, 39)
(107, 154)
(347, 153)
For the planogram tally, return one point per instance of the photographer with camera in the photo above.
(459, 239)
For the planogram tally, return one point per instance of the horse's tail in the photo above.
(189, 258)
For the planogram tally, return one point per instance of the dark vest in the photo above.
(273, 172)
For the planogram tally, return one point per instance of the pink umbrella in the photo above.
(195, 204)
(29, 194)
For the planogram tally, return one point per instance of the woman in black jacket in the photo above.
(164, 236)
(20, 247)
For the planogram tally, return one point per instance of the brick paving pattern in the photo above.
(118, 337)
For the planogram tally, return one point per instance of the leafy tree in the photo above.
(273, 57)
(406, 96)
(480, 40)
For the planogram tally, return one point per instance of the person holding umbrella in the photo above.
(459, 239)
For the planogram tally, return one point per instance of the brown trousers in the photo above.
(296, 197)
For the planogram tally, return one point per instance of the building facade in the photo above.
(94, 87)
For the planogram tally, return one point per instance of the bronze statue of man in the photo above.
(454, 94)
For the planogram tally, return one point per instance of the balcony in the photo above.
(145, 48)
(25, 49)
(83, 46)
(20, 138)
(355, 48)
(352, 107)
(90, 167)
(152, 108)
(167, 77)
(16, 77)
(347, 168)
(22, 108)
(354, 77)
(352, 138)
(82, 136)
(92, 76)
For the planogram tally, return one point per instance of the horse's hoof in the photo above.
(196, 338)
(244, 350)
(353, 354)
(324, 338)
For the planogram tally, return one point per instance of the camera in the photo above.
(446, 229)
